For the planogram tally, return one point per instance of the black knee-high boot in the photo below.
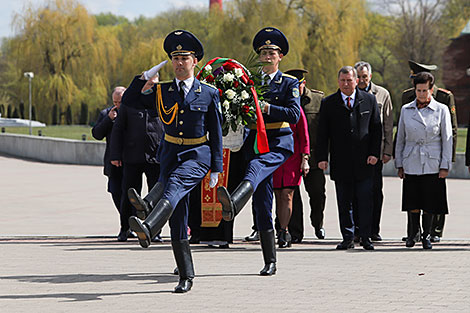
(268, 246)
(153, 224)
(145, 206)
(413, 228)
(426, 237)
(234, 203)
(184, 262)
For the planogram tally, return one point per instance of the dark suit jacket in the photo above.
(137, 130)
(102, 129)
(349, 136)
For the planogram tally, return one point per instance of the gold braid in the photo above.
(173, 110)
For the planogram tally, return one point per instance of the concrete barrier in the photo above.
(53, 150)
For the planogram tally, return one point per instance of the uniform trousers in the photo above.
(132, 178)
(178, 185)
(359, 192)
(259, 173)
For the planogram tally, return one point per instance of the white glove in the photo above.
(154, 70)
(214, 180)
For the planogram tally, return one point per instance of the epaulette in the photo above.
(444, 90)
(317, 91)
(290, 76)
(207, 84)
(165, 82)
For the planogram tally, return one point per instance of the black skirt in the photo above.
(425, 192)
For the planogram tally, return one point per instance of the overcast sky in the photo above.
(128, 8)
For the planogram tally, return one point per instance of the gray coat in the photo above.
(424, 139)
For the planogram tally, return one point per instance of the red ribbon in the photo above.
(261, 136)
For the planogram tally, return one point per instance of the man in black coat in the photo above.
(350, 131)
(135, 139)
(102, 129)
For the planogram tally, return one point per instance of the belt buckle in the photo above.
(179, 141)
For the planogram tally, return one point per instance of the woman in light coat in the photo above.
(423, 157)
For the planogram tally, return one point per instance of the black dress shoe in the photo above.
(268, 269)
(357, 239)
(345, 245)
(426, 241)
(435, 239)
(253, 237)
(296, 240)
(375, 237)
(320, 233)
(366, 244)
(285, 239)
(157, 238)
(123, 234)
(410, 243)
(184, 285)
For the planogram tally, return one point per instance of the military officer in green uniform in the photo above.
(446, 97)
(314, 181)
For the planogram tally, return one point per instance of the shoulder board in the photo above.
(317, 91)
(444, 90)
(408, 90)
(207, 84)
(290, 76)
(165, 82)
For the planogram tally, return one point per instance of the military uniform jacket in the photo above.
(198, 115)
(137, 131)
(424, 140)
(103, 129)
(350, 136)
(445, 97)
(284, 99)
(384, 103)
(311, 102)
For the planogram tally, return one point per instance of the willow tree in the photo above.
(71, 59)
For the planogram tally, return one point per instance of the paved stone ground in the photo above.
(60, 255)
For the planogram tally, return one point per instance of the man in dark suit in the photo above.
(102, 129)
(350, 131)
(134, 143)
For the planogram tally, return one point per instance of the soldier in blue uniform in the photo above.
(282, 107)
(190, 110)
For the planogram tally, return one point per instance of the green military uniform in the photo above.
(445, 97)
(315, 180)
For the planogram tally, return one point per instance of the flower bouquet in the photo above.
(239, 101)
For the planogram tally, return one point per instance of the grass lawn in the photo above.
(76, 132)
(62, 131)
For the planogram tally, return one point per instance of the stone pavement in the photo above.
(60, 255)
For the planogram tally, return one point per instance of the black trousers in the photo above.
(115, 187)
(377, 200)
(132, 178)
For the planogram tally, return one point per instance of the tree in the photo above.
(22, 110)
(15, 114)
(83, 114)
(55, 114)
(9, 110)
(68, 115)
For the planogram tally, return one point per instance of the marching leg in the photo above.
(144, 206)
(184, 262)
(233, 204)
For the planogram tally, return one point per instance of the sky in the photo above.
(128, 8)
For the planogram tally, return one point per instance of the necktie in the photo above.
(181, 91)
(349, 103)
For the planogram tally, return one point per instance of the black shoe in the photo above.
(345, 245)
(296, 240)
(435, 239)
(143, 233)
(268, 269)
(175, 271)
(141, 206)
(375, 237)
(131, 234)
(366, 244)
(253, 237)
(233, 203)
(426, 241)
(357, 239)
(320, 233)
(157, 238)
(404, 238)
(123, 235)
(184, 285)
(194, 240)
(410, 243)
(285, 239)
